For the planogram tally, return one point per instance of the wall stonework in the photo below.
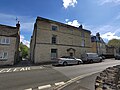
(66, 37)
(12, 48)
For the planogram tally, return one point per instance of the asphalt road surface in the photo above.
(48, 77)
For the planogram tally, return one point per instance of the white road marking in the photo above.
(29, 89)
(6, 70)
(1, 70)
(44, 87)
(9, 70)
(75, 79)
(25, 69)
(59, 83)
(16, 69)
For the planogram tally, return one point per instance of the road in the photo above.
(51, 78)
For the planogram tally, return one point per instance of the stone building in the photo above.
(9, 44)
(53, 39)
(98, 45)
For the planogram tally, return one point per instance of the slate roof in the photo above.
(96, 39)
(8, 31)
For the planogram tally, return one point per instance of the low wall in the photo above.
(109, 79)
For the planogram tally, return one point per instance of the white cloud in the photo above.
(102, 2)
(25, 42)
(109, 36)
(67, 3)
(73, 23)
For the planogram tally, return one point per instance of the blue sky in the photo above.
(101, 16)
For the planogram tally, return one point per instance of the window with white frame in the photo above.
(4, 40)
(3, 55)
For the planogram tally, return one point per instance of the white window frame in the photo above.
(2, 55)
(5, 40)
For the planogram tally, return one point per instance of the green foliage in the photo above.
(114, 43)
(24, 49)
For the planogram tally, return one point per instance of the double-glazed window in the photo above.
(4, 40)
(3, 55)
(54, 39)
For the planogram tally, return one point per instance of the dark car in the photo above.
(103, 57)
(117, 57)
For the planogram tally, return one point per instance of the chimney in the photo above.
(81, 26)
(18, 25)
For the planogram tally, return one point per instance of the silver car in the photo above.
(67, 60)
(91, 57)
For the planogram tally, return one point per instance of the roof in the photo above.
(8, 31)
(59, 23)
(96, 39)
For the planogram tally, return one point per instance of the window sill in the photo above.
(4, 44)
(3, 59)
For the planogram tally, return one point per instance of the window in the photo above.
(54, 39)
(7, 40)
(3, 55)
(83, 43)
(4, 40)
(82, 34)
(53, 53)
(54, 27)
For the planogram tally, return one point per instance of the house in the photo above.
(52, 39)
(98, 45)
(110, 50)
(9, 44)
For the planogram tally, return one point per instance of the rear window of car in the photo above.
(65, 57)
(92, 55)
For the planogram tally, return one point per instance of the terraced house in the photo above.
(9, 44)
(53, 39)
(98, 45)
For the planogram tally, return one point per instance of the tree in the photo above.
(114, 43)
(24, 50)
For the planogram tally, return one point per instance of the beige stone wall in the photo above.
(10, 48)
(101, 48)
(67, 37)
(32, 43)
(43, 51)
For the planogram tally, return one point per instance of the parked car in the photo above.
(102, 57)
(91, 57)
(117, 57)
(67, 60)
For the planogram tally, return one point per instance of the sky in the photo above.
(101, 16)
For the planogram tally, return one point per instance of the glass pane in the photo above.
(3, 40)
(54, 28)
(1, 55)
(7, 40)
(5, 55)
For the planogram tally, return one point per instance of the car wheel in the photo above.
(91, 61)
(78, 62)
(65, 63)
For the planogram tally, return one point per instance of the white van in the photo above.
(90, 57)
